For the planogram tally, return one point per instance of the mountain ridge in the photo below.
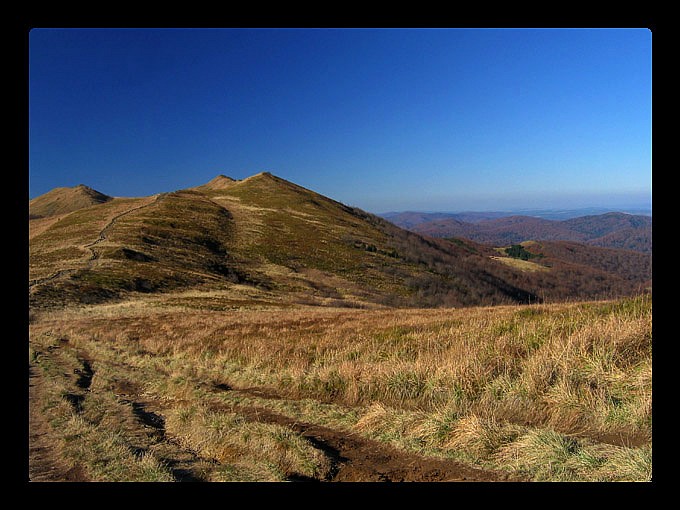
(608, 230)
(265, 239)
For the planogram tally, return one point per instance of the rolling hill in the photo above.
(65, 200)
(608, 230)
(266, 240)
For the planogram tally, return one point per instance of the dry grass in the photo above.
(528, 389)
(57, 242)
(257, 451)
(522, 265)
(93, 436)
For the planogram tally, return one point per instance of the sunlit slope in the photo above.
(308, 242)
(303, 233)
(272, 241)
(159, 243)
(65, 200)
(59, 242)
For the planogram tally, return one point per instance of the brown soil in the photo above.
(44, 464)
(146, 434)
(357, 459)
(625, 439)
(352, 458)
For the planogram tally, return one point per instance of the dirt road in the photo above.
(352, 458)
(357, 459)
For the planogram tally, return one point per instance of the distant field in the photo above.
(522, 265)
(154, 390)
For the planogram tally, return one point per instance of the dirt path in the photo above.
(102, 235)
(357, 459)
(145, 434)
(44, 464)
(150, 436)
(94, 254)
(54, 276)
(352, 458)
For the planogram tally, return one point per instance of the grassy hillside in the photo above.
(65, 200)
(255, 330)
(268, 238)
(155, 389)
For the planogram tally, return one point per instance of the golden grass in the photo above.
(522, 265)
(246, 447)
(93, 438)
(516, 388)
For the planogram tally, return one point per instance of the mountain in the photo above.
(219, 182)
(498, 232)
(266, 240)
(65, 200)
(595, 226)
(409, 219)
(608, 230)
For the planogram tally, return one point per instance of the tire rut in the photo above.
(184, 464)
(144, 435)
(354, 458)
(84, 381)
(351, 457)
(44, 464)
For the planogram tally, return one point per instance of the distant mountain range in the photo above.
(547, 214)
(609, 230)
(267, 240)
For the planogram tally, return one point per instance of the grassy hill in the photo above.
(268, 240)
(254, 330)
(65, 200)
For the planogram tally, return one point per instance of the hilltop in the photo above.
(267, 240)
(219, 182)
(65, 200)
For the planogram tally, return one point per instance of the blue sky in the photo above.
(382, 119)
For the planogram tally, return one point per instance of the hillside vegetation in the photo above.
(65, 200)
(277, 242)
(254, 330)
(608, 230)
(158, 390)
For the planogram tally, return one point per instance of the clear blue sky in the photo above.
(382, 119)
